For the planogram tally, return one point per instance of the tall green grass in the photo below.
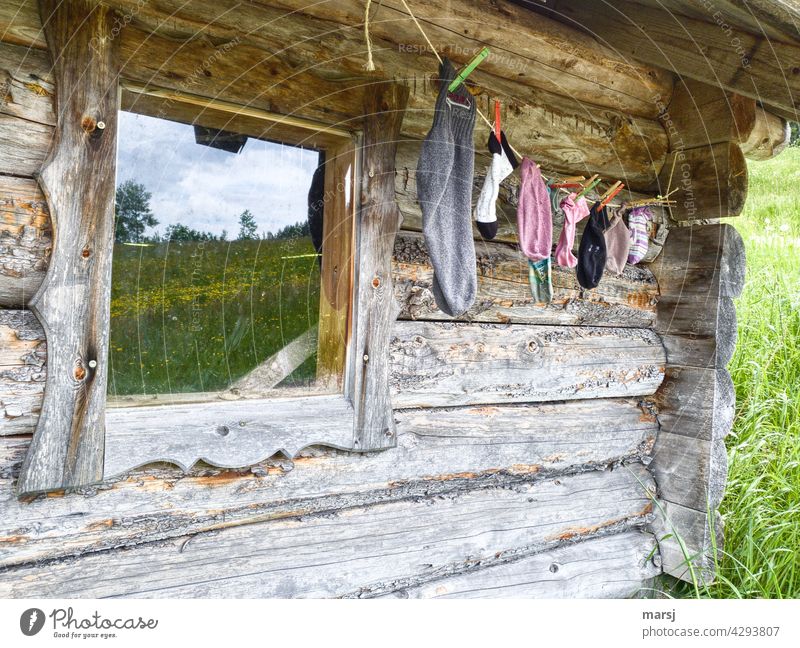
(761, 508)
(196, 316)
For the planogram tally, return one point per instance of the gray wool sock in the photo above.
(444, 190)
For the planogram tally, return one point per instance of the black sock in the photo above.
(592, 251)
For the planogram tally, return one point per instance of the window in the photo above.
(217, 259)
(231, 285)
(103, 414)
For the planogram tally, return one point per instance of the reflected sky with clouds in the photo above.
(207, 188)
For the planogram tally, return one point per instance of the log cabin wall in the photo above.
(540, 451)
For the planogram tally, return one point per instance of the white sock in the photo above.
(485, 210)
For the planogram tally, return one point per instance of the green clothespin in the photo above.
(468, 70)
(590, 186)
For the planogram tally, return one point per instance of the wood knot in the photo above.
(376, 282)
(86, 252)
(79, 372)
(88, 124)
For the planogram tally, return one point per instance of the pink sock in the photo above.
(534, 219)
(574, 212)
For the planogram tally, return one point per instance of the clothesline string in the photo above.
(433, 49)
(482, 116)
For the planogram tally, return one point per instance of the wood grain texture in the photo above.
(770, 136)
(546, 54)
(443, 364)
(615, 566)
(375, 305)
(700, 114)
(23, 145)
(26, 240)
(20, 24)
(438, 451)
(504, 293)
(362, 551)
(699, 271)
(26, 84)
(23, 354)
(776, 20)
(690, 542)
(227, 434)
(550, 57)
(279, 53)
(73, 302)
(750, 64)
(711, 182)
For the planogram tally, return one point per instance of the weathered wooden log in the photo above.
(776, 20)
(690, 542)
(25, 240)
(700, 270)
(73, 301)
(749, 64)
(305, 555)
(444, 364)
(378, 224)
(770, 136)
(621, 564)
(699, 114)
(20, 24)
(711, 182)
(504, 293)
(23, 145)
(548, 55)
(563, 132)
(438, 451)
(28, 90)
(22, 371)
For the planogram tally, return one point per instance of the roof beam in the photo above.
(708, 50)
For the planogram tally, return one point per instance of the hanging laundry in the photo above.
(499, 170)
(618, 243)
(535, 230)
(575, 210)
(534, 218)
(540, 278)
(639, 223)
(444, 189)
(592, 251)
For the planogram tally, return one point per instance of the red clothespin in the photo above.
(613, 191)
(497, 128)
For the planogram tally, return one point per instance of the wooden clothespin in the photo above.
(589, 184)
(470, 67)
(497, 128)
(613, 190)
(570, 182)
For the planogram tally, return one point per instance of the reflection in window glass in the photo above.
(214, 269)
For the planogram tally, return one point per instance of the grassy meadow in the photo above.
(196, 316)
(761, 508)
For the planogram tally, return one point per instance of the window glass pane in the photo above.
(215, 273)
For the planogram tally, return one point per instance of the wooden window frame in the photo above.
(78, 441)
